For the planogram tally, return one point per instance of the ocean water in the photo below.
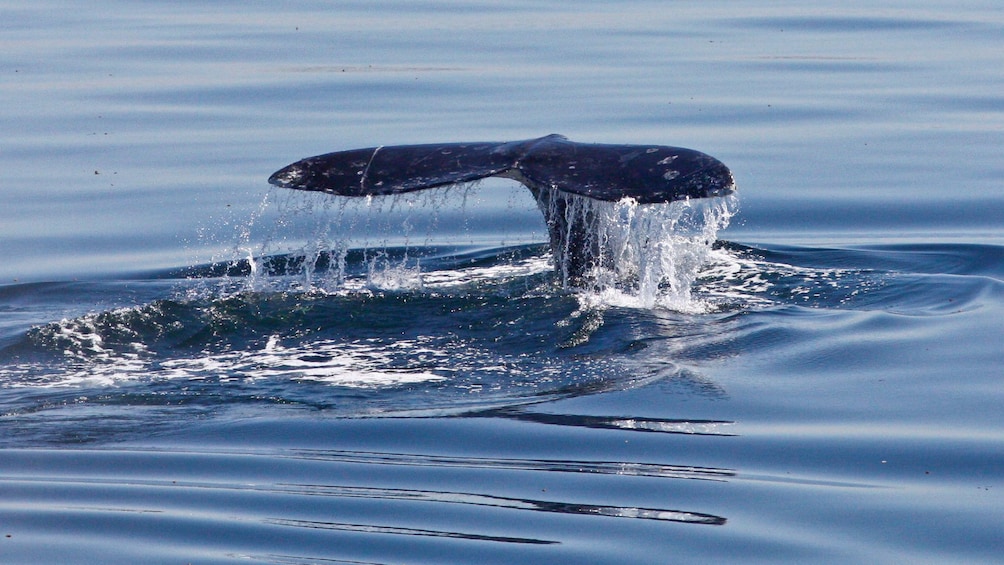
(197, 367)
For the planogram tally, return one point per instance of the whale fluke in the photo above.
(552, 167)
(647, 173)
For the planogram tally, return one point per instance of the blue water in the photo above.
(198, 367)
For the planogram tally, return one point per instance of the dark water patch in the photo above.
(474, 333)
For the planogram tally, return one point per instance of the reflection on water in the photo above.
(376, 493)
(662, 425)
(561, 466)
(374, 529)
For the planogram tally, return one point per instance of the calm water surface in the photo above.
(197, 367)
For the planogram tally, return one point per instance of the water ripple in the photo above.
(555, 465)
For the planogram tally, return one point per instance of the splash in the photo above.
(640, 255)
(314, 241)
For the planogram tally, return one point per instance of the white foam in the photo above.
(356, 365)
(365, 364)
(652, 254)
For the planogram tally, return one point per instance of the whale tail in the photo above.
(647, 173)
(552, 167)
